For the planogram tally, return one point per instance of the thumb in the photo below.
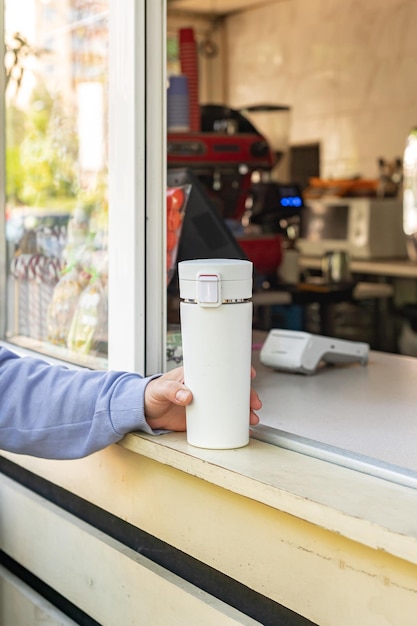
(183, 395)
(173, 391)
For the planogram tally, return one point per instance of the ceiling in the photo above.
(214, 7)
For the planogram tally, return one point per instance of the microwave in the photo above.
(365, 228)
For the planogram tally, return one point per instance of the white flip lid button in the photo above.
(208, 293)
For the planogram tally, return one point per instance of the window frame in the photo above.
(137, 180)
(3, 269)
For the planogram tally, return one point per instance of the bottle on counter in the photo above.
(410, 194)
(289, 268)
(216, 327)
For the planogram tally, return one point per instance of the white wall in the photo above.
(348, 69)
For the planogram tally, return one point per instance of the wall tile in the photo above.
(346, 67)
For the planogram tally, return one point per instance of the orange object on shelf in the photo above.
(340, 187)
(176, 201)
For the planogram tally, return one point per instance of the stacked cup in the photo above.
(189, 67)
(178, 104)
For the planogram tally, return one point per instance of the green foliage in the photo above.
(41, 153)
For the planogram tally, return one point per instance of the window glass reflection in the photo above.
(56, 176)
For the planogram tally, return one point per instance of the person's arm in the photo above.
(56, 412)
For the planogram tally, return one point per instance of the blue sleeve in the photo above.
(55, 412)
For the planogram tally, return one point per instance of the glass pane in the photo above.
(56, 176)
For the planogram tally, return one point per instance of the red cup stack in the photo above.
(189, 67)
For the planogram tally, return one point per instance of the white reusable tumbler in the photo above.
(216, 326)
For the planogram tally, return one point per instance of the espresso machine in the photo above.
(224, 155)
(240, 156)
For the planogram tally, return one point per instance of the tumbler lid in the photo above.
(213, 281)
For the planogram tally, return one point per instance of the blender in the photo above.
(276, 201)
(273, 122)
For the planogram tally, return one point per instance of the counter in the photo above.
(363, 412)
(289, 538)
(392, 268)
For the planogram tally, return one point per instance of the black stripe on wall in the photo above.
(217, 584)
(55, 598)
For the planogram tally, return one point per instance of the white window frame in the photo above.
(137, 181)
(156, 166)
(126, 184)
(3, 303)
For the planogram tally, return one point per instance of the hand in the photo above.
(166, 398)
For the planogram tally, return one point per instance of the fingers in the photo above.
(255, 401)
(255, 405)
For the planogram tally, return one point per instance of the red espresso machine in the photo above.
(227, 155)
